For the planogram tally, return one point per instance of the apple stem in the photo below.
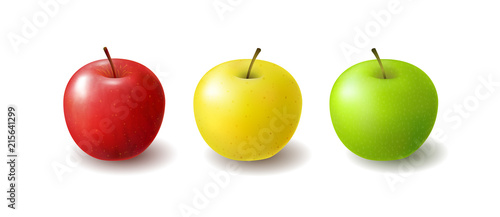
(110, 61)
(379, 62)
(253, 60)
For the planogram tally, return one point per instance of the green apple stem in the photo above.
(379, 62)
(253, 60)
(110, 61)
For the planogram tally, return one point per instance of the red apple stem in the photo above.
(110, 61)
(253, 60)
(379, 61)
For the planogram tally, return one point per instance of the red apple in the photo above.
(114, 108)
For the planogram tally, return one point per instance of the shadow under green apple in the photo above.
(429, 155)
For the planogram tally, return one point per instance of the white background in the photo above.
(454, 42)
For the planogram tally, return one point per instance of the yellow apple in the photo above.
(247, 113)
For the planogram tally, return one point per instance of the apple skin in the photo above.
(383, 119)
(247, 119)
(114, 118)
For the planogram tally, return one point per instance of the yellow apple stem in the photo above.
(110, 61)
(253, 60)
(379, 61)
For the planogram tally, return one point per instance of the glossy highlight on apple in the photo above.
(247, 109)
(114, 108)
(383, 109)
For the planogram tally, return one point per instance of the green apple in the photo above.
(383, 109)
(247, 113)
